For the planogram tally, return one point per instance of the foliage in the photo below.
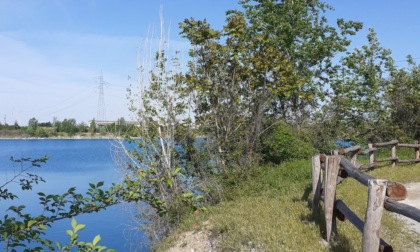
(282, 144)
(269, 62)
(403, 99)
(358, 99)
(80, 245)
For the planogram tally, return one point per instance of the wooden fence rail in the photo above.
(354, 151)
(328, 171)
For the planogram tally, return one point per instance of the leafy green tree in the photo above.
(69, 126)
(299, 31)
(82, 127)
(404, 102)
(269, 62)
(32, 126)
(92, 126)
(358, 99)
(33, 123)
(56, 125)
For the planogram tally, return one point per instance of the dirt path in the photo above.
(413, 199)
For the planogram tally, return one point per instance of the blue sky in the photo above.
(52, 51)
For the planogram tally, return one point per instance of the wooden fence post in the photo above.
(331, 174)
(353, 157)
(374, 210)
(394, 154)
(371, 154)
(316, 182)
(417, 151)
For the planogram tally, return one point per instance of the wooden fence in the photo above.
(329, 171)
(394, 145)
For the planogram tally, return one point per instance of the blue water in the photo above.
(74, 163)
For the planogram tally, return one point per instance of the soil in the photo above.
(195, 241)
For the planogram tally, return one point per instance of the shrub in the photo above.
(282, 144)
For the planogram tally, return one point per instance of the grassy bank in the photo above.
(270, 212)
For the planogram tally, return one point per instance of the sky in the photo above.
(52, 52)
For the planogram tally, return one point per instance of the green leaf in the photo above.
(58, 245)
(73, 223)
(96, 240)
(31, 223)
(169, 182)
(79, 227)
(69, 233)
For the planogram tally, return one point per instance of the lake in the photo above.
(74, 163)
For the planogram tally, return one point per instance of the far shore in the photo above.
(76, 137)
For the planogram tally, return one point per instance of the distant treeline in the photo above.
(67, 127)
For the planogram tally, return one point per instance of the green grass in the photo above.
(270, 211)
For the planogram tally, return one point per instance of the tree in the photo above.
(159, 161)
(404, 102)
(56, 125)
(359, 89)
(92, 126)
(269, 62)
(298, 30)
(69, 126)
(32, 126)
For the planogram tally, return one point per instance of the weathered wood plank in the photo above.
(316, 182)
(403, 209)
(393, 142)
(331, 174)
(371, 155)
(368, 167)
(408, 145)
(373, 217)
(394, 155)
(345, 211)
(409, 160)
(363, 178)
(386, 159)
(349, 149)
(367, 151)
(355, 173)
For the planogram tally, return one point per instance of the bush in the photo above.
(283, 144)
